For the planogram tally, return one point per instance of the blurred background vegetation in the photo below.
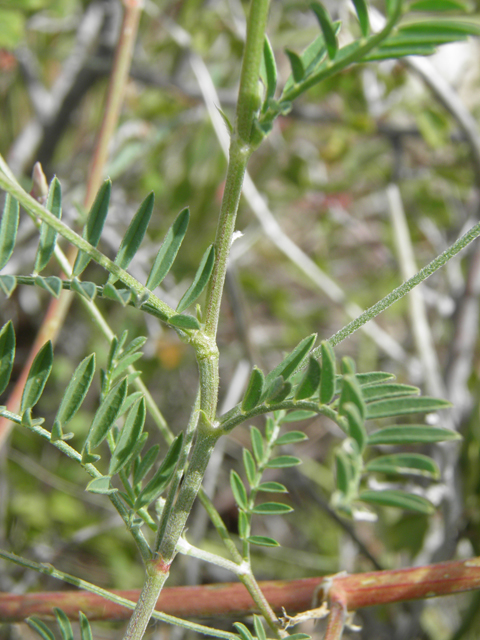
(324, 172)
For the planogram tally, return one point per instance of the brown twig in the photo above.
(232, 600)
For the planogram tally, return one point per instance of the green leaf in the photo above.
(292, 437)
(129, 435)
(257, 621)
(169, 249)
(123, 296)
(76, 391)
(344, 471)
(146, 464)
(257, 444)
(299, 636)
(362, 13)
(348, 366)
(8, 284)
(268, 70)
(250, 467)
(351, 393)
(64, 624)
(87, 290)
(101, 485)
(283, 462)
(162, 477)
(52, 284)
(94, 225)
(397, 498)
(200, 281)
(327, 28)
(271, 509)
(438, 5)
(366, 379)
(309, 384)
(405, 406)
(243, 631)
(134, 235)
(106, 414)
(254, 390)
(393, 53)
(8, 229)
(48, 236)
(412, 463)
(184, 321)
(298, 72)
(381, 391)
(327, 380)
(37, 377)
(272, 487)
(411, 434)
(356, 426)
(243, 524)
(7, 354)
(85, 629)
(238, 490)
(294, 360)
(40, 627)
(441, 28)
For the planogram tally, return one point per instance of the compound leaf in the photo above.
(48, 236)
(94, 225)
(8, 229)
(37, 377)
(7, 354)
(169, 249)
(134, 235)
(200, 280)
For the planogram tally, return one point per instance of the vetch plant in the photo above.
(153, 488)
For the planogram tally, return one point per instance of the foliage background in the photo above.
(324, 172)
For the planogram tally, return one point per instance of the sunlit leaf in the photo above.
(271, 509)
(327, 380)
(163, 475)
(272, 487)
(362, 13)
(94, 225)
(134, 235)
(397, 498)
(40, 627)
(405, 406)
(106, 414)
(254, 390)
(8, 229)
(327, 28)
(250, 467)
(309, 384)
(381, 391)
(48, 236)
(76, 391)
(37, 377)
(146, 464)
(238, 490)
(411, 434)
(257, 444)
(184, 321)
(128, 437)
(169, 249)
(200, 280)
(412, 463)
(283, 462)
(294, 360)
(7, 354)
(85, 629)
(292, 437)
(296, 65)
(64, 624)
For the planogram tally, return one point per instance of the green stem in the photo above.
(403, 289)
(49, 570)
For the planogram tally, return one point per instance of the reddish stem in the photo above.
(232, 600)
